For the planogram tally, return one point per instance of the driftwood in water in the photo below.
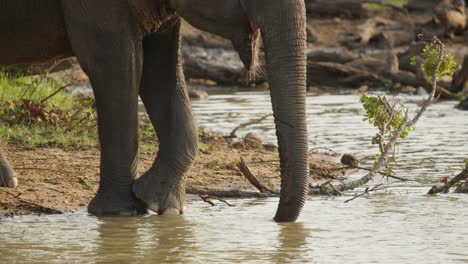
(449, 184)
(462, 188)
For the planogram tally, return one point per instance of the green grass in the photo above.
(30, 117)
(33, 88)
(379, 8)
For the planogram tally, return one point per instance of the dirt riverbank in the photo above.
(53, 180)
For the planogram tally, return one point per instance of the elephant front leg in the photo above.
(113, 62)
(162, 187)
(7, 174)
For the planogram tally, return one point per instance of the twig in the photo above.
(9, 193)
(249, 123)
(265, 161)
(366, 191)
(230, 193)
(430, 99)
(38, 206)
(54, 93)
(251, 178)
(313, 150)
(383, 174)
(207, 199)
(42, 169)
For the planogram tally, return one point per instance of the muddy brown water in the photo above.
(400, 224)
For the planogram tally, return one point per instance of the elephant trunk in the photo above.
(284, 36)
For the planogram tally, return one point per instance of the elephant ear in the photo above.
(247, 7)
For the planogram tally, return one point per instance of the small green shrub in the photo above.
(390, 116)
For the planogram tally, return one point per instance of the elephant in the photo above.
(131, 48)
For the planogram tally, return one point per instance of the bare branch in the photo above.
(366, 191)
(251, 178)
(383, 174)
(249, 123)
(54, 93)
(209, 198)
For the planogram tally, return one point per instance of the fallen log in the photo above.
(404, 78)
(460, 79)
(347, 8)
(369, 64)
(339, 75)
(199, 67)
(341, 57)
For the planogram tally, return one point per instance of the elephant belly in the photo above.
(32, 31)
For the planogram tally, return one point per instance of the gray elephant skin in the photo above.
(131, 48)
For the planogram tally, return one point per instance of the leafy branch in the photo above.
(391, 117)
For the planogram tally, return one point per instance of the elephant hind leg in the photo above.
(7, 174)
(162, 188)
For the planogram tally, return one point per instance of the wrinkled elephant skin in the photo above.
(132, 48)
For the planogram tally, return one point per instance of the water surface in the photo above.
(400, 224)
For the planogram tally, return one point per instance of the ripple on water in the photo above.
(397, 225)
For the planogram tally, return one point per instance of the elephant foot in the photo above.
(114, 203)
(8, 177)
(161, 194)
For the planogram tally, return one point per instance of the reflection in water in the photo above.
(405, 226)
(292, 238)
(157, 239)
